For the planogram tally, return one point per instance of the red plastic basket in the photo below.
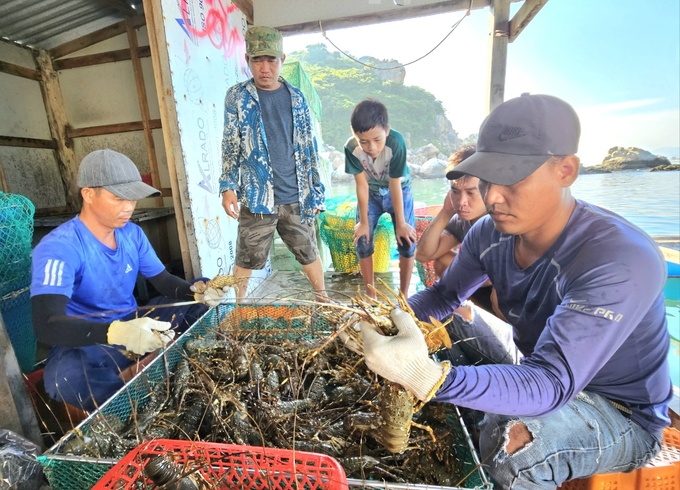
(424, 217)
(427, 211)
(229, 466)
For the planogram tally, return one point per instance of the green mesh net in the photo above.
(337, 232)
(16, 235)
(296, 75)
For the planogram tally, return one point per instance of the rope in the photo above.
(453, 28)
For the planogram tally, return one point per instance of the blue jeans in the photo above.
(585, 437)
(86, 377)
(378, 204)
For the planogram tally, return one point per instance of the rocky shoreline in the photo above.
(428, 162)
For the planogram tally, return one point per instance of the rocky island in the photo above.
(620, 158)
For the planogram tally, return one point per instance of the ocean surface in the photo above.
(650, 200)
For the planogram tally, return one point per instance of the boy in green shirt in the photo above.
(376, 156)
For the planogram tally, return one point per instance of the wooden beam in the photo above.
(3, 179)
(111, 128)
(19, 71)
(246, 8)
(100, 58)
(400, 13)
(121, 6)
(18, 142)
(58, 122)
(498, 51)
(164, 252)
(521, 19)
(166, 102)
(94, 37)
(50, 211)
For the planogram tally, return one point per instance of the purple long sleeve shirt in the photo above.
(588, 315)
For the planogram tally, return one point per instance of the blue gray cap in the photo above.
(519, 136)
(116, 173)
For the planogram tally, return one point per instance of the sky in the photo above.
(617, 62)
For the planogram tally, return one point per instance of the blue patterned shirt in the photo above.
(244, 149)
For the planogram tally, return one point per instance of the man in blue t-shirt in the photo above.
(83, 277)
(582, 289)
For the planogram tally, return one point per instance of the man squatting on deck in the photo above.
(83, 277)
(583, 291)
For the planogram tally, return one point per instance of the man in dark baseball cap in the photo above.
(519, 136)
(582, 290)
(84, 274)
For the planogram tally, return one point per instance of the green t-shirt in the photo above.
(390, 163)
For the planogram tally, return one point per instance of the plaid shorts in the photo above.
(256, 232)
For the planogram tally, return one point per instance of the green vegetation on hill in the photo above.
(343, 83)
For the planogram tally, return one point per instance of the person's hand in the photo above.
(230, 203)
(405, 233)
(210, 296)
(361, 229)
(448, 207)
(403, 358)
(350, 333)
(140, 335)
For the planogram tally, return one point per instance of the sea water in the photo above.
(650, 200)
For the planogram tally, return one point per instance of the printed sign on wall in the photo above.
(206, 49)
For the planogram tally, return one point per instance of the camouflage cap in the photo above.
(264, 41)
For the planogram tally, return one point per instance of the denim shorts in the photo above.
(256, 232)
(587, 436)
(379, 203)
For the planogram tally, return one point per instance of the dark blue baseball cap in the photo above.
(519, 136)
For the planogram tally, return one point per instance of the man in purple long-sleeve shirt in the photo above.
(583, 291)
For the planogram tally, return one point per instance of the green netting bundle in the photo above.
(16, 236)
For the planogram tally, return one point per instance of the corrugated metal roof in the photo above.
(45, 24)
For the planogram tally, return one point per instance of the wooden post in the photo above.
(56, 117)
(16, 411)
(161, 69)
(3, 179)
(164, 251)
(499, 25)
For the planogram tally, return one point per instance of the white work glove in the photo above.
(403, 358)
(211, 296)
(140, 335)
(353, 320)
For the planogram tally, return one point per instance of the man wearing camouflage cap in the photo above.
(270, 164)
